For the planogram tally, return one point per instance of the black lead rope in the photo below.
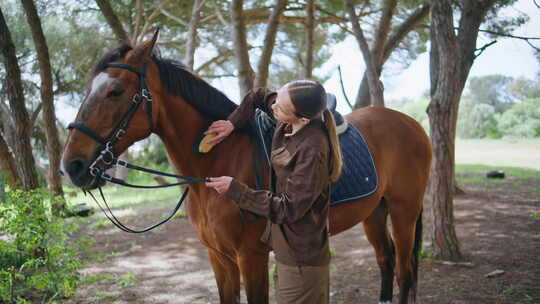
(110, 215)
(123, 227)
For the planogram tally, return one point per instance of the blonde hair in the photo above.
(335, 149)
(309, 100)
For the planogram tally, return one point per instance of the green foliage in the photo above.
(417, 110)
(477, 120)
(523, 88)
(522, 119)
(128, 279)
(492, 90)
(36, 259)
(153, 155)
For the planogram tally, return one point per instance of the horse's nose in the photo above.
(77, 170)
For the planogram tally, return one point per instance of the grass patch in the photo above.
(476, 174)
(128, 279)
(101, 223)
(99, 277)
(479, 171)
(118, 197)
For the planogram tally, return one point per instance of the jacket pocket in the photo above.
(281, 157)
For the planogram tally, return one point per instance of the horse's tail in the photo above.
(416, 256)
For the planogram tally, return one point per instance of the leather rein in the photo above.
(104, 153)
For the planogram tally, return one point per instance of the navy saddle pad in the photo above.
(359, 176)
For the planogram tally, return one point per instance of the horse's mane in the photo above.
(180, 82)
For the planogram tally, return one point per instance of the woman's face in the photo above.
(283, 108)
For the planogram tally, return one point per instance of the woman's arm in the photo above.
(301, 190)
(258, 98)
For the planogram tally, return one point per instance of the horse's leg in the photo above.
(407, 233)
(377, 234)
(254, 271)
(227, 277)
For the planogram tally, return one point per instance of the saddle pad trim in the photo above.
(332, 204)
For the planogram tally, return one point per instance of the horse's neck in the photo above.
(178, 127)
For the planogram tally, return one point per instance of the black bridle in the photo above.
(104, 153)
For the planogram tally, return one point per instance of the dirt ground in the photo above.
(498, 227)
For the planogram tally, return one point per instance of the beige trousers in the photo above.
(303, 284)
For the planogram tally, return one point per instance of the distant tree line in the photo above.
(493, 106)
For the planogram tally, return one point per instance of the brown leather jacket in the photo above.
(298, 211)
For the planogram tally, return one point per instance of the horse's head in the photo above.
(115, 113)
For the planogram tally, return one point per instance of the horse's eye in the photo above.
(116, 92)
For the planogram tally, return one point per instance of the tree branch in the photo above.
(404, 29)
(526, 39)
(173, 17)
(375, 87)
(112, 20)
(383, 29)
(219, 15)
(138, 17)
(246, 76)
(479, 51)
(35, 114)
(191, 42)
(269, 43)
(310, 40)
(217, 75)
(148, 20)
(221, 56)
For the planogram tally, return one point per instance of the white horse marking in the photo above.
(98, 83)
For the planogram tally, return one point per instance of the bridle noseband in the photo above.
(104, 153)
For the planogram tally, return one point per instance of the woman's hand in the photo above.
(220, 184)
(222, 129)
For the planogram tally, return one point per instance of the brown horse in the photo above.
(184, 106)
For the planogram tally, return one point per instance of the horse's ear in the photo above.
(143, 51)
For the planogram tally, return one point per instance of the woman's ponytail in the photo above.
(335, 150)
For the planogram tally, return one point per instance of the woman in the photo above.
(306, 158)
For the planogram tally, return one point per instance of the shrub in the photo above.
(36, 259)
(522, 120)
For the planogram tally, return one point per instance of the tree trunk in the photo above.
(22, 148)
(191, 43)
(269, 41)
(8, 124)
(452, 58)
(390, 44)
(7, 165)
(47, 99)
(310, 41)
(245, 72)
(112, 20)
(441, 111)
(375, 87)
